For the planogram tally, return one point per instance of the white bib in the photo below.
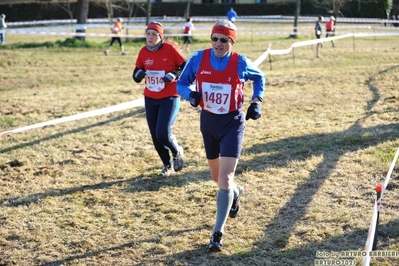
(216, 97)
(154, 81)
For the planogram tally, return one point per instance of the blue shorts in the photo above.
(223, 135)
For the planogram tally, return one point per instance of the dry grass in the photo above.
(87, 192)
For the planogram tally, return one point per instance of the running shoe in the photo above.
(178, 162)
(215, 244)
(166, 170)
(236, 207)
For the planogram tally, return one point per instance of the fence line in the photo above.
(251, 19)
(70, 31)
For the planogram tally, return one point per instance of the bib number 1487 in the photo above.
(218, 98)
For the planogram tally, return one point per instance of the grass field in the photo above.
(87, 192)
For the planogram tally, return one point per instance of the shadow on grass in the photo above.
(331, 147)
(271, 250)
(131, 244)
(135, 184)
(200, 255)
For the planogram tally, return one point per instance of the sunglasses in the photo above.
(222, 40)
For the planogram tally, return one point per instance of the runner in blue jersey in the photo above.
(219, 75)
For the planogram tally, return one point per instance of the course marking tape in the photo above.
(373, 224)
(102, 111)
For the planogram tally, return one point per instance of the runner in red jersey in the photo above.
(330, 29)
(116, 31)
(188, 28)
(160, 64)
(219, 75)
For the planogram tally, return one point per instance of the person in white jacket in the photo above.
(188, 28)
(3, 27)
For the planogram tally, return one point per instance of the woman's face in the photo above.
(152, 37)
(221, 44)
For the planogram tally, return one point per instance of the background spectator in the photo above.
(116, 30)
(330, 29)
(188, 28)
(3, 27)
(318, 32)
(232, 15)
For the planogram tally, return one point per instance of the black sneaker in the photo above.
(178, 162)
(235, 207)
(166, 171)
(215, 244)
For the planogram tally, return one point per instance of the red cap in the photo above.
(379, 188)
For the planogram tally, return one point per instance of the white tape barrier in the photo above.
(254, 19)
(263, 56)
(243, 29)
(119, 107)
(71, 31)
(106, 110)
(370, 236)
(247, 32)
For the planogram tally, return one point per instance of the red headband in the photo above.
(156, 27)
(232, 34)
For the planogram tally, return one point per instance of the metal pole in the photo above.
(270, 61)
(378, 190)
(293, 55)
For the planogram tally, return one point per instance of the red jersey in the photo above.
(330, 25)
(222, 91)
(156, 64)
(117, 28)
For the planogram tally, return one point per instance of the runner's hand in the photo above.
(169, 77)
(254, 112)
(195, 98)
(139, 75)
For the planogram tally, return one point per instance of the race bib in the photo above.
(154, 80)
(216, 97)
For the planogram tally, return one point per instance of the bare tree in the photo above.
(297, 12)
(336, 7)
(149, 7)
(333, 7)
(187, 13)
(130, 4)
(66, 6)
(387, 6)
(83, 10)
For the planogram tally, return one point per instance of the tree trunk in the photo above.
(187, 13)
(297, 12)
(83, 10)
(149, 6)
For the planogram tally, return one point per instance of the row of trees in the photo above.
(131, 6)
(83, 10)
